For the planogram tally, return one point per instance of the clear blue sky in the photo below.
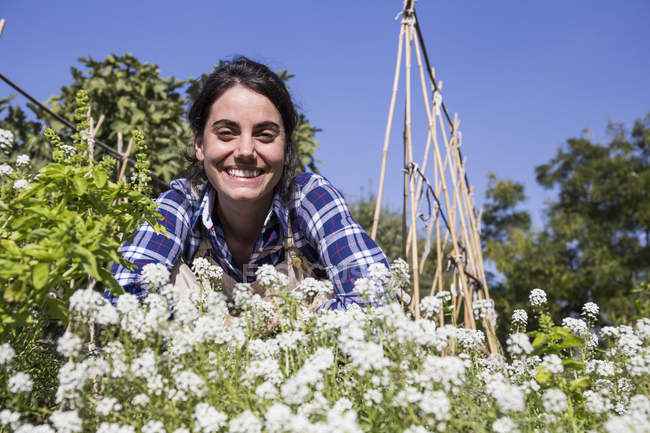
(523, 76)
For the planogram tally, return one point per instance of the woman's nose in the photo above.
(245, 147)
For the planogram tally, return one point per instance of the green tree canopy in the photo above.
(594, 243)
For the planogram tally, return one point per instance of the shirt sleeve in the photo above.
(344, 247)
(151, 247)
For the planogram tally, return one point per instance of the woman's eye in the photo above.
(225, 133)
(267, 136)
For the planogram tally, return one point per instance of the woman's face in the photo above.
(242, 146)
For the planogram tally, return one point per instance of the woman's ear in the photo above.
(198, 147)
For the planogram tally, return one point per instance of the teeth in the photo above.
(238, 172)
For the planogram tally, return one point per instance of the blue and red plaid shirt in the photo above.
(324, 231)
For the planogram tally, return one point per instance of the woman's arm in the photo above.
(151, 247)
(344, 247)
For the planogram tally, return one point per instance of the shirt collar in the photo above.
(208, 196)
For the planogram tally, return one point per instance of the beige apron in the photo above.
(295, 266)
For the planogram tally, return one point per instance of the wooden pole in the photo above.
(391, 111)
(415, 300)
(125, 160)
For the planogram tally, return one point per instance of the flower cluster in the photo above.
(184, 365)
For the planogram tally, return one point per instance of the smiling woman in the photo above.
(243, 200)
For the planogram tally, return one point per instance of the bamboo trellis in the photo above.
(453, 223)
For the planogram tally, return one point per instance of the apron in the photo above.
(295, 266)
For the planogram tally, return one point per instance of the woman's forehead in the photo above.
(241, 104)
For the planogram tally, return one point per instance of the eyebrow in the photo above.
(262, 125)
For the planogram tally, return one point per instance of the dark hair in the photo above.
(259, 78)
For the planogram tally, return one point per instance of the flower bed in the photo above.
(280, 366)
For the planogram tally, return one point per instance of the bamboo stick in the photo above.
(415, 299)
(125, 160)
(391, 111)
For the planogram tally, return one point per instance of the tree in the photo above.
(594, 243)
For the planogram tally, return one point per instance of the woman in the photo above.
(243, 121)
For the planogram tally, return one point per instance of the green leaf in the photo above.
(56, 307)
(100, 177)
(571, 341)
(580, 383)
(540, 341)
(80, 185)
(90, 263)
(573, 364)
(40, 274)
(543, 375)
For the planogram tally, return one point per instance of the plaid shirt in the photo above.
(325, 233)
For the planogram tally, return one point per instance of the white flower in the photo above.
(153, 427)
(7, 353)
(7, 417)
(519, 344)
(269, 277)
(430, 306)
(86, 302)
(373, 397)
(504, 425)
(400, 274)
(596, 403)
(312, 287)
(449, 371)
(29, 428)
(445, 295)
(537, 297)
(6, 139)
(69, 345)
(189, 382)
(107, 315)
(483, 309)
(379, 272)
(245, 422)
(107, 405)
(21, 184)
(552, 363)
(266, 391)
(436, 404)
(643, 328)
(206, 271)
(68, 150)
(509, 398)
(576, 326)
(207, 419)
(554, 401)
(110, 427)
(140, 400)
(278, 416)
(20, 382)
(519, 317)
(156, 275)
(66, 422)
(22, 159)
(6, 170)
(590, 310)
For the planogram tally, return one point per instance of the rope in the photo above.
(67, 123)
(429, 192)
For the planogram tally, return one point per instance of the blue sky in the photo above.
(523, 76)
